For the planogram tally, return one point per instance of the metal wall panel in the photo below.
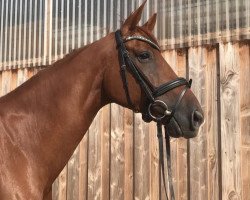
(38, 32)
(22, 33)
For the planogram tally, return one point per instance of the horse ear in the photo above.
(150, 24)
(131, 22)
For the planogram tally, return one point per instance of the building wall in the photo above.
(118, 156)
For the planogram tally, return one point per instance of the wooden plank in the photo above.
(230, 121)
(105, 152)
(6, 82)
(61, 185)
(73, 176)
(22, 76)
(94, 159)
(30, 72)
(1, 84)
(117, 153)
(154, 163)
(198, 146)
(141, 159)
(37, 69)
(13, 79)
(128, 155)
(211, 123)
(245, 130)
(244, 60)
(245, 173)
(55, 190)
(83, 168)
(181, 181)
(204, 178)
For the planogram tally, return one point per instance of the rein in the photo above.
(152, 93)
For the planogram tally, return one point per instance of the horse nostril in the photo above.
(197, 119)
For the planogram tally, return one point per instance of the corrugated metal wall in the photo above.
(38, 32)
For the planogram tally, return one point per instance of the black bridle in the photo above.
(152, 93)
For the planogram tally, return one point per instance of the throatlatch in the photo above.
(152, 93)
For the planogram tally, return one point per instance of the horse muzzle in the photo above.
(159, 111)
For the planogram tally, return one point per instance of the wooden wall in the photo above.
(118, 157)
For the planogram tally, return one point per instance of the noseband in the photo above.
(152, 93)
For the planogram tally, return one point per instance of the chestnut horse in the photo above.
(44, 119)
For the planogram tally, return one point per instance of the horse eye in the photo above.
(144, 56)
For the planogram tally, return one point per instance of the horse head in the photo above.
(141, 79)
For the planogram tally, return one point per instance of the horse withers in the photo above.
(44, 119)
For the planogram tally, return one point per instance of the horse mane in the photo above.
(71, 54)
(67, 57)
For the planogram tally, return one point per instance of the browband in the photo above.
(141, 38)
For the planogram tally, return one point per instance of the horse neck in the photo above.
(58, 105)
